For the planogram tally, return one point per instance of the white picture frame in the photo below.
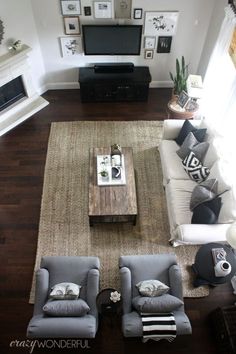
(149, 42)
(160, 23)
(102, 9)
(70, 7)
(148, 54)
(71, 25)
(71, 46)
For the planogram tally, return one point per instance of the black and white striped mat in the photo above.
(158, 326)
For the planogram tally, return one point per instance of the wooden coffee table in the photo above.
(112, 203)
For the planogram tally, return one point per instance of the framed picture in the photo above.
(160, 23)
(149, 42)
(71, 25)
(122, 8)
(70, 46)
(70, 7)
(102, 9)
(164, 44)
(138, 14)
(183, 99)
(148, 54)
(87, 11)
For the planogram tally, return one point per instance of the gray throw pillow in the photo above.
(205, 191)
(70, 308)
(163, 303)
(192, 144)
(65, 291)
(152, 288)
(187, 145)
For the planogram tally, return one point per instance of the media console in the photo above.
(114, 82)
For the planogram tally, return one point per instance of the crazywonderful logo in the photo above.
(50, 344)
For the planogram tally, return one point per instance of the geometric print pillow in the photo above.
(194, 168)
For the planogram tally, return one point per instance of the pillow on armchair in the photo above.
(65, 291)
(163, 303)
(152, 288)
(66, 308)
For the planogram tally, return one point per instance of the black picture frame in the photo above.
(87, 11)
(164, 44)
(138, 14)
(183, 99)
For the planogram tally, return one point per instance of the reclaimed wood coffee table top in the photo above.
(112, 200)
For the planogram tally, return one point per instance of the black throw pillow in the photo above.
(187, 127)
(207, 212)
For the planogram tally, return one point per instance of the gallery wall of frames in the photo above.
(159, 27)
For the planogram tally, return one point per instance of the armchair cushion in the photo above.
(152, 288)
(71, 308)
(65, 291)
(163, 303)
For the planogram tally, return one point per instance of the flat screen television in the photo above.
(112, 39)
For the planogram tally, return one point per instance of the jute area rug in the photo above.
(64, 225)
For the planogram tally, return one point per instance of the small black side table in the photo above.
(105, 306)
(204, 265)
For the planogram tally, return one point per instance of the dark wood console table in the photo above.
(112, 86)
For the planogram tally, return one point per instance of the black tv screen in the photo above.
(112, 39)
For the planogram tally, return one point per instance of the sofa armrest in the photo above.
(126, 289)
(171, 127)
(175, 279)
(41, 290)
(198, 234)
(92, 290)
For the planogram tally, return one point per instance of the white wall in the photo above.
(189, 40)
(213, 31)
(41, 26)
(18, 20)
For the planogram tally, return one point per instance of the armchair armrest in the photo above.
(126, 289)
(92, 290)
(175, 279)
(41, 291)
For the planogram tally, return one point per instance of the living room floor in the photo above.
(23, 154)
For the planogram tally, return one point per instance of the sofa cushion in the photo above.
(172, 167)
(163, 303)
(178, 195)
(65, 308)
(152, 288)
(217, 172)
(228, 208)
(194, 168)
(187, 127)
(203, 192)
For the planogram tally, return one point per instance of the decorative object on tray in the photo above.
(183, 99)
(110, 170)
(116, 155)
(222, 267)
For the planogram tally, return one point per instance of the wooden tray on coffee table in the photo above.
(112, 203)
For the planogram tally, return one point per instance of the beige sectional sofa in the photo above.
(179, 186)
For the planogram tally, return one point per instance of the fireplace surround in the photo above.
(14, 110)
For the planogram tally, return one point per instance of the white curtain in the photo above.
(219, 99)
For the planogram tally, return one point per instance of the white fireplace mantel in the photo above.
(12, 65)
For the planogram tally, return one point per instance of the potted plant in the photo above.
(180, 78)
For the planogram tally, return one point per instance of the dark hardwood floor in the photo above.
(22, 159)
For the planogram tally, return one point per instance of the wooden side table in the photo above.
(174, 113)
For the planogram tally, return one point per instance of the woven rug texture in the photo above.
(64, 226)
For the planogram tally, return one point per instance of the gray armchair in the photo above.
(134, 269)
(80, 270)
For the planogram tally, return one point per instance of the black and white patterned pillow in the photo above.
(194, 168)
